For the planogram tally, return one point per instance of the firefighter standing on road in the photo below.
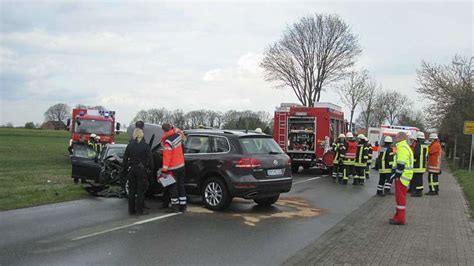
(337, 168)
(94, 143)
(385, 165)
(434, 165)
(369, 158)
(403, 174)
(360, 161)
(420, 153)
(173, 163)
(350, 148)
(137, 161)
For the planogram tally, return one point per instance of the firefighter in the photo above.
(434, 164)
(137, 161)
(385, 165)
(360, 161)
(403, 174)
(173, 163)
(420, 152)
(94, 143)
(369, 157)
(337, 168)
(348, 159)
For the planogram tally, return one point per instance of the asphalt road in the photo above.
(100, 231)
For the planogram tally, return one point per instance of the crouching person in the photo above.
(173, 163)
(137, 159)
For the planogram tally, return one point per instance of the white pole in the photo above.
(472, 148)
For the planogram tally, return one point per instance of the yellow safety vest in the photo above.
(405, 157)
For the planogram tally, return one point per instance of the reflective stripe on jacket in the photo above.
(421, 156)
(386, 160)
(434, 157)
(350, 152)
(404, 157)
(361, 155)
(173, 157)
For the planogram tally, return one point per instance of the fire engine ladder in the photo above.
(282, 130)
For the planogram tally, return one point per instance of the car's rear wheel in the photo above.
(215, 195)
(267, 201)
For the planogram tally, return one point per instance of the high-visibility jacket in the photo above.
(386, 160)
(173, 157)
(96, 146)
(404, 160)
(350, 149)
(369, 153)
(434, 157)
(361, 155)
(338, 148)
(420, 153)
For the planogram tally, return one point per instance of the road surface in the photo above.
(100, 231)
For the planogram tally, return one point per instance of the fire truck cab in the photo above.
(86, 122)
(306, 133)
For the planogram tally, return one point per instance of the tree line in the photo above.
(208, 118)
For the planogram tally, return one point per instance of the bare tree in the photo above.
(159, 116)
(367, 106)
(91, 107)
(178, 118)
(412, 118)
(142, 115)
(58, 112)
(313, 53)
(354, 91)
(379, 112)
(398, 104)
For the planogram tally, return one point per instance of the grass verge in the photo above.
(35, 168)
(466, 180)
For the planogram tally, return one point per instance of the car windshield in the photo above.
(99, 127)
(259, 145)
(118, 151)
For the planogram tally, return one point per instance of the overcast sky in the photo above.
(190, 55)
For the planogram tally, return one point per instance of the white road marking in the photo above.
(126, 226)
(307, 180)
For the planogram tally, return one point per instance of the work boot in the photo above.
(417, 194)
(142, 213)
(380, 193)
(183, 208)
(173, 209)
(344, 182)
(393, 222)
(355, 182)
(431, 193)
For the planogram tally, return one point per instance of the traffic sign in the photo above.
(468, 127)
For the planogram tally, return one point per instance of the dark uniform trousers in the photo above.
(137, 184)
(384, 183)
(417, 182)
(177, 191)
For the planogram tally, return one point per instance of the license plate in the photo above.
(274, 172)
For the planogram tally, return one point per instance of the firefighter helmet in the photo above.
(361, 136)
(388, 139)
(93, 136)
(341, 136)
(349, 135)
(258, 130)
(420, 135)
(433, 136)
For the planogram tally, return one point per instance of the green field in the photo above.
(466, 180)
(35, 168)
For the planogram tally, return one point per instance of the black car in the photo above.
(223, 164)
(88, 165)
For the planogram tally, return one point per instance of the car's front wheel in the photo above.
(268, 201)
(215, 195)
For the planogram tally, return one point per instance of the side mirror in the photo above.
(117, 127)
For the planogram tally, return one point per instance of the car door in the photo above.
(85, 164)
(197, 154)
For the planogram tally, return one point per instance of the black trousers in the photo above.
(417, 182)
(177, 191)
(360, 174)
(337, 171)
(433, 181)
(136, 189)
(383, 180)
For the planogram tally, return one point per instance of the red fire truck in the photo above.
(86, 122)
(305, 133)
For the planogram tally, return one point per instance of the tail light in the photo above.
(248, 163)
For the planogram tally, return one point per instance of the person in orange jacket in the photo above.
(434, 165)
(173, 163)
